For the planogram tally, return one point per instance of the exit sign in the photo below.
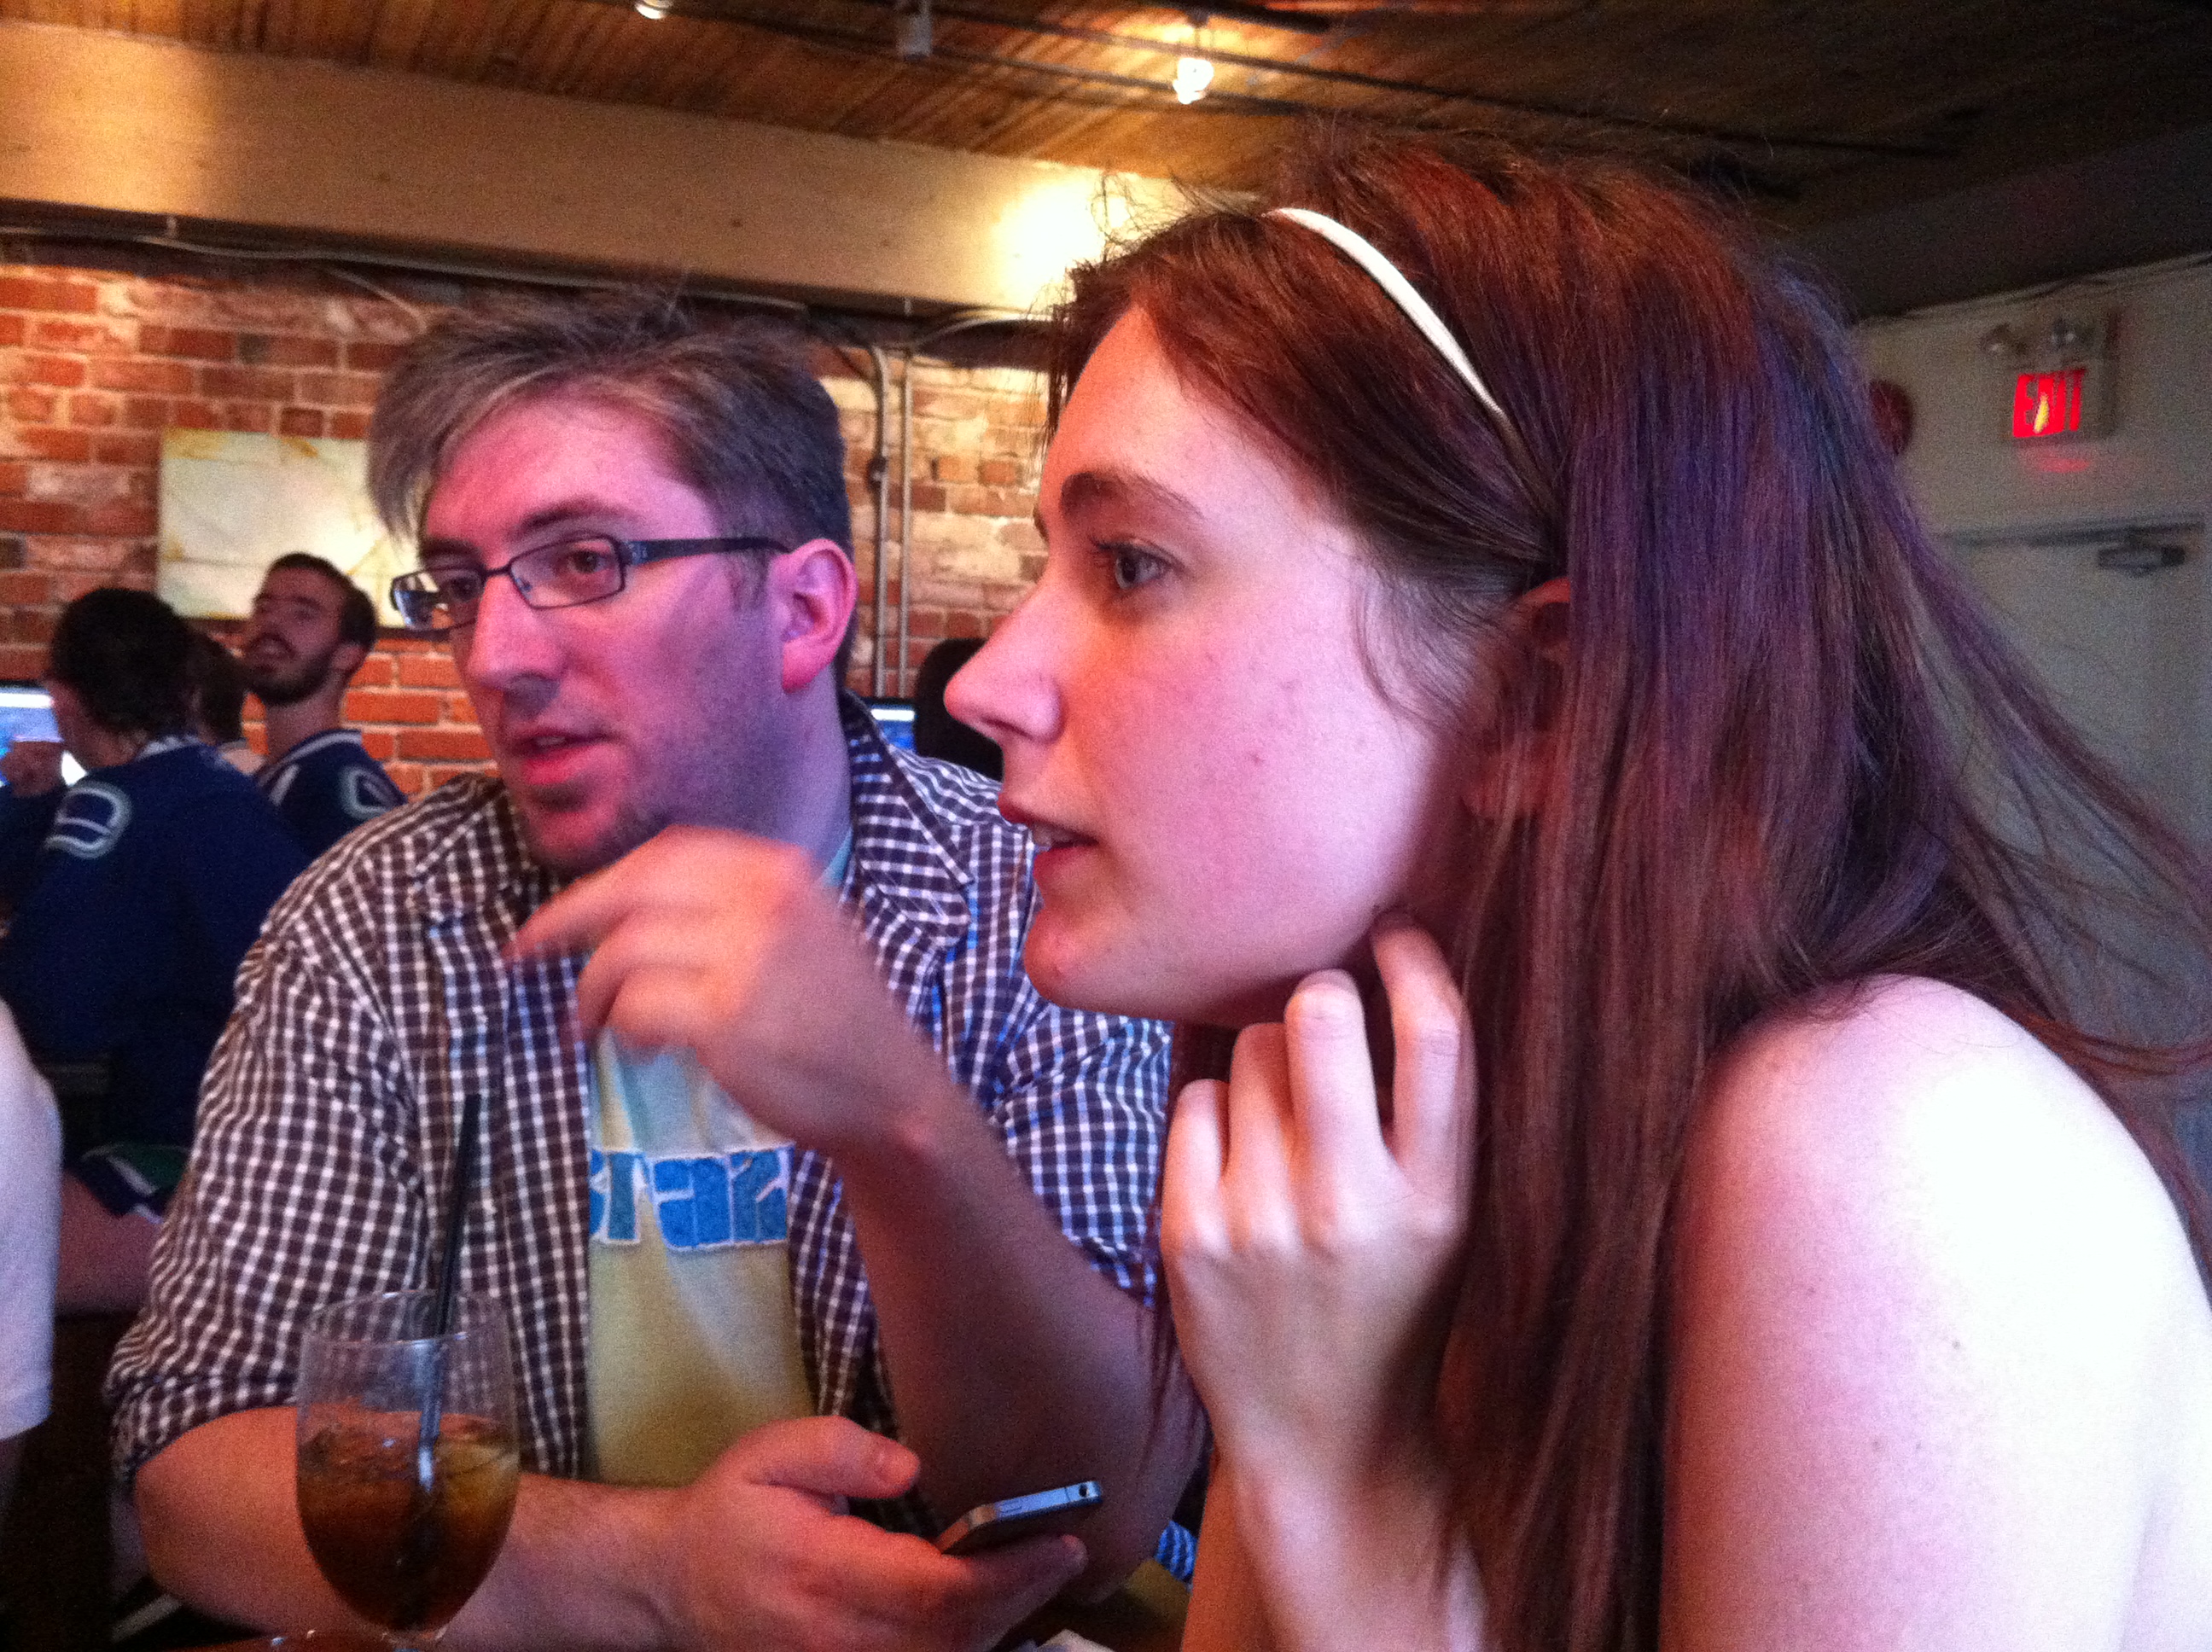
(2047, 406)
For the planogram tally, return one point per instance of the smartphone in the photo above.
(1038, 1515)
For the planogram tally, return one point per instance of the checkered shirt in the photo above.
(376, 999)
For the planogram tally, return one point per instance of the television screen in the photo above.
(895, 719)
(26, 713)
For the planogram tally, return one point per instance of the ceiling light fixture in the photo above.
(910, 29)
(655, 10)
(1193, 73)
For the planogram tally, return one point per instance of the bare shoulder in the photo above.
(1941, 1356)
(1913, 1093)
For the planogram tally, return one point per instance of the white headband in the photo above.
(1369, 258)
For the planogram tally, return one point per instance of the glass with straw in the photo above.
(407, 1457)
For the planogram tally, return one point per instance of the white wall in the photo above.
(2128, 656)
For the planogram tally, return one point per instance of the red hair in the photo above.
(1789, 752)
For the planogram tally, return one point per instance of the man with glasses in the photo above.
(777, 1132)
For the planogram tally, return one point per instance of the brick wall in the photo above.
(101, 350)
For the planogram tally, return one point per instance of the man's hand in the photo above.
(767, 1559)
(33, 767)
(728, 946)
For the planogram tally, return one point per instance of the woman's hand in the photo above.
(1313, 1238)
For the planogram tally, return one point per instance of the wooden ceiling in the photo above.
(1812, 110)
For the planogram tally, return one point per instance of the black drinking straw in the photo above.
(422, 1527)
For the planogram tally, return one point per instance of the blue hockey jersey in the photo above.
(135, 893)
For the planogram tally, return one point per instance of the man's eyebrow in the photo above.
(559, 513)
(1118, 487)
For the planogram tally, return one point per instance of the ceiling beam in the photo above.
(106, 123)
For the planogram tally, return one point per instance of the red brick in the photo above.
(39, 516)
(923, 622)
(299, 422)
(350, 427)
(287, 350)
(947, 404)
(120, 518)
(56, 332)
(22, 664)
(963, 623)
(44, 442)
(11, 330)
(259, 384)
(257, 417)
(64, 372)
(381, 744)
(999, 473)
(13, 480)
(91, 409)
(339, 389)
(928, 496)
(157, 378)
(953, 467)
(25, 588)
(145, 412)
(428, 672)
(379, 706)
(33, 625)
(68, 587)
(192, 343)
(443, 745)
(32, 292)
(195, 416)
(31, 406)
(136, 449)
(368, 355)
(375, 673)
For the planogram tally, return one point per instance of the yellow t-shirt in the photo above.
(694, 1339)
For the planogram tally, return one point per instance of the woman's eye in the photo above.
(1129, 567)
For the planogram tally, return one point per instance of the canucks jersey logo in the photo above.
(91, 820)
(364, 794)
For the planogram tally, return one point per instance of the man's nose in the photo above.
(508, 644)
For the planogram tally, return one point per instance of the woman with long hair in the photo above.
(1684, 1178)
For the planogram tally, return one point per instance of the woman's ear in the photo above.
(1532, 658)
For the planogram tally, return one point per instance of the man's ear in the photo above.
(1535, 644)
(345, 659)
(811, 590)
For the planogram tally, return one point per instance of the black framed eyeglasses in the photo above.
(589, 568)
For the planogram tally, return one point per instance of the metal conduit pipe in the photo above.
(879, 478)
(906, 512)
(958, 324)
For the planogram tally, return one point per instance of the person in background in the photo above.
(310, 630)
(30, 1224)
(219, 703)
(937, 731)
(135, 893)
(800, 1202)
(1661, 1175)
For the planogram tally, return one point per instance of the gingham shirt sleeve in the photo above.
(1082, 1111)
(302, 1189)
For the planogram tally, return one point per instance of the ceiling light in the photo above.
(656, 9)
(910, 29)
(1193, 76)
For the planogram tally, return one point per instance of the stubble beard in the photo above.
(276, 688)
